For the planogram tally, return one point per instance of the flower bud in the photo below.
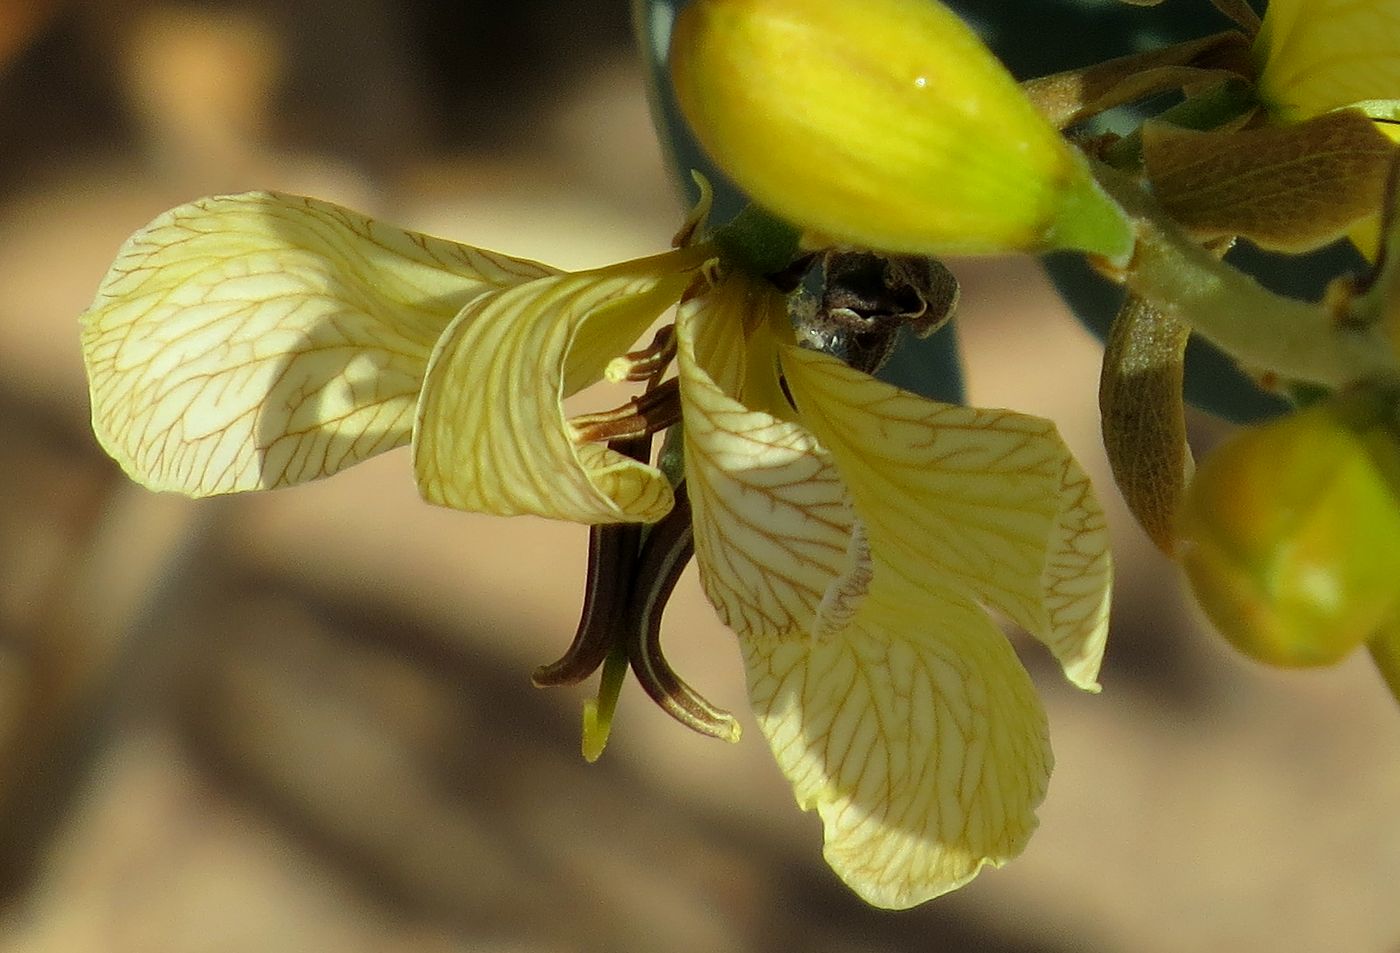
(883, 124)
(1292, 534)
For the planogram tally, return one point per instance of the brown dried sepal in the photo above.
(1144, 420)
(1285, 188)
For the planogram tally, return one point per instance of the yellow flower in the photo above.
(1320, 55)
(850, 533)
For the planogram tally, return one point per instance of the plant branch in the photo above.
(1264, 331)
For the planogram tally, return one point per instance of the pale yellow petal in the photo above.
(989, 501)
(491, 434)
(254, 341)
(1077, 581)
(915, 733)
(1319, 55)
(772, 522)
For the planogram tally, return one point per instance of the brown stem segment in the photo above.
(1242, 13)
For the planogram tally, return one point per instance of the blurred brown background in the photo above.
(302, 721)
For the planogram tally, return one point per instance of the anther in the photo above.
(648, 363)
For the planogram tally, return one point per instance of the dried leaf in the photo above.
(1144, 423)
(1286, 188)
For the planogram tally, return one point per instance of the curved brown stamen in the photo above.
(612, 559)
(612, 562)
(613, 549)
(651, 361)
(653, 411)
(665, 553)
(632, 572)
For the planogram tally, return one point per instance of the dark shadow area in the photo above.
(830, 921)
(50, 109)
(478, 89)
(54, 478)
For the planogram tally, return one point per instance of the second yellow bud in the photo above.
(1292, 534)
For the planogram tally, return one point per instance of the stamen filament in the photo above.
(649, 413)
(632, 571)
(665, 553)
(612, 559)
(612, 562)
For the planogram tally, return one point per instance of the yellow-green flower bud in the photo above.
(1292, 537)
(885, 124)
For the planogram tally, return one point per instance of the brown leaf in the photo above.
(1144, 420)
(1286, 188)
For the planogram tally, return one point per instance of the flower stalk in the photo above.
(1269, 333)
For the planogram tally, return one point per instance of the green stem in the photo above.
(1265, 332)
(761, 243)
(671, 459)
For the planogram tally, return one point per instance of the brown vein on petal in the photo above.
(970, 527)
